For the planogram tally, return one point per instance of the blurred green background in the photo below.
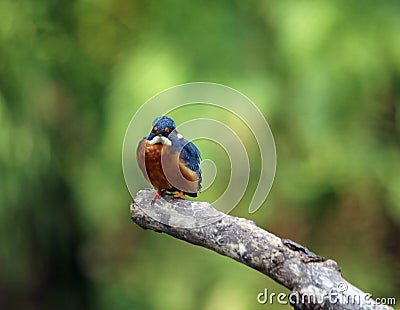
(326, 75)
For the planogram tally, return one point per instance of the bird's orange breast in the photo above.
(154, 165)
(165, 169)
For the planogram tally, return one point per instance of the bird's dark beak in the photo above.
(161, 133)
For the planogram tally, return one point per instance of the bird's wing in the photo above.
(191, 155)
(140, 153)
(189, 159)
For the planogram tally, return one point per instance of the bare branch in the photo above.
(315, 282)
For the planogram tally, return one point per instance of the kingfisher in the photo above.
(168, 161)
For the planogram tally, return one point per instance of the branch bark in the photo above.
(315, 282)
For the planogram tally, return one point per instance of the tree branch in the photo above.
(315, 282)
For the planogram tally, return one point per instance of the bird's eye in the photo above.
(155, 129)
(167, 129)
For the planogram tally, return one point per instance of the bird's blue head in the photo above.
(162, 125)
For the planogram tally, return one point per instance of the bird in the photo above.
(169, 161)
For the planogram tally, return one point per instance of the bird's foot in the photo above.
(180, 194)
(157, 194)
